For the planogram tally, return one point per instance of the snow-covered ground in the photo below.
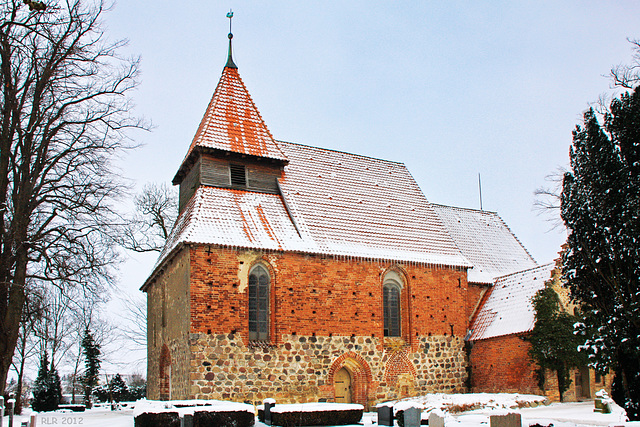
(559, 414)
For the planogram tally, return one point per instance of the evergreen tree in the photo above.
(47, 391)
(554, 345)
(118, 389)
(55, 387)
(601, 209)
(40, 385)
(91, 351)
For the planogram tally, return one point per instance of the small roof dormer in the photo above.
(232, 125)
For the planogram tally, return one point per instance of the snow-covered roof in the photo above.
(233, 123)
(508, 308)
(486, 241)
(331, 203)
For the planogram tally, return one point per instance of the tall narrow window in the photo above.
(238, 175)
(391, 307)
(259, 304)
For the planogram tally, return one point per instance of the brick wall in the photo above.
(502, 364)
(475, 294)
(323, 295)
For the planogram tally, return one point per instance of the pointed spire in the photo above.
(230, 63)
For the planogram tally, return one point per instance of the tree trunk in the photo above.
(10, 321)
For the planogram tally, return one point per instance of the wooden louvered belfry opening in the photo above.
(238, 175)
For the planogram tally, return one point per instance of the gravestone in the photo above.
(385, 416)
(508, 420)
(186, 421)
(11, 403)
(268, 404)
(436, 420)
(412, 417)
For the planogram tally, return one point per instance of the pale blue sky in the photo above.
(450, 88)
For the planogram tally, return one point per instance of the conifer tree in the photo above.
(40, 385)
(118, 389)
(554, 346)
(91, 351)
(601, 209)
(47, 390)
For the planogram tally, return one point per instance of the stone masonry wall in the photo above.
(167, 330)
(301, 368)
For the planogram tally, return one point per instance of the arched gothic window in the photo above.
(391, 307)
(259, 281)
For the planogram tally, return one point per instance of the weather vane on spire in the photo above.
(230, 63)
(230, 16)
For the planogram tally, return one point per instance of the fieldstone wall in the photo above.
(168, 314)
(301, 368)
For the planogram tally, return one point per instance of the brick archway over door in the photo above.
(360, 373)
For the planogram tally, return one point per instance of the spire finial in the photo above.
(230, 63)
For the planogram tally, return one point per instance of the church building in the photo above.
(306, 274)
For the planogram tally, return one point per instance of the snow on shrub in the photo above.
(456, 403)
(204, 412)
(313, 414)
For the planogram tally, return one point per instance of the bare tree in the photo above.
(65, 111)
(135, 314)
(628, 75)
(26, 348)
(156, 211)
(547, 199)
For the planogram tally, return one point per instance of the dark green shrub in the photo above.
(151, 419)
(320, 418)
(226, 418)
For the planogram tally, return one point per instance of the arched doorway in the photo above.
(342, 386)
(350, 377)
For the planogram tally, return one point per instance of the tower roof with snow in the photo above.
(231, 124)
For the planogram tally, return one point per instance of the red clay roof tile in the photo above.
(233, 123)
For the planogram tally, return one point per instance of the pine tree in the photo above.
(55, 387)
(91, 351)
(601, 209)
(118, 389)
(553, 342)
(40, 385)
(47, 391)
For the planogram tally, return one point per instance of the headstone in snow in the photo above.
(436, 420)
(412, 417)
(11, 403)
(508, 420)
(268, 404)
(186, 421)
(385, 415)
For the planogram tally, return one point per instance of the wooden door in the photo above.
(342, 385)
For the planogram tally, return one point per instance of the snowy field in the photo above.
(558, 414)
